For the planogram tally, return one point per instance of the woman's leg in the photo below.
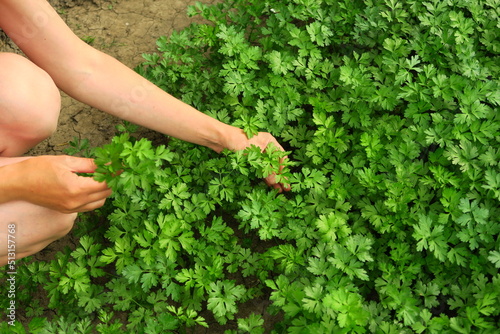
(29, 105)
(28, 229)
(29, 109)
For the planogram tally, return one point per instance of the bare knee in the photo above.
(63, 225)
(59, 228)
(29, 100)
(33, 234)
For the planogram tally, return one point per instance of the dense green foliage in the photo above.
(390, 112)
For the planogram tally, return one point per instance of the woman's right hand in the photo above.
(52, 182)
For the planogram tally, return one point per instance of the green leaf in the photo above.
(494, 258)
(279, 63)
(253, 324)
(430, 237)
(223, 296)
(332, 226)
(148, 280)
(348, 306)
(132, 273)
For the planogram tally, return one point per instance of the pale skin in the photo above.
(42, 195)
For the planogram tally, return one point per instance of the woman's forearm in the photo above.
(114, 88)
(9, 176)
(6, 179)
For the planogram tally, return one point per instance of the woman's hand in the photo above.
(262, 140)
(52, 182)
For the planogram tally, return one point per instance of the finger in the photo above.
(270, 180)
(92, 186)
(81, 165)
(275, 143)
(94, 201)
(91, 206)
(97, 196)
(87, 203)
(278, 145)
